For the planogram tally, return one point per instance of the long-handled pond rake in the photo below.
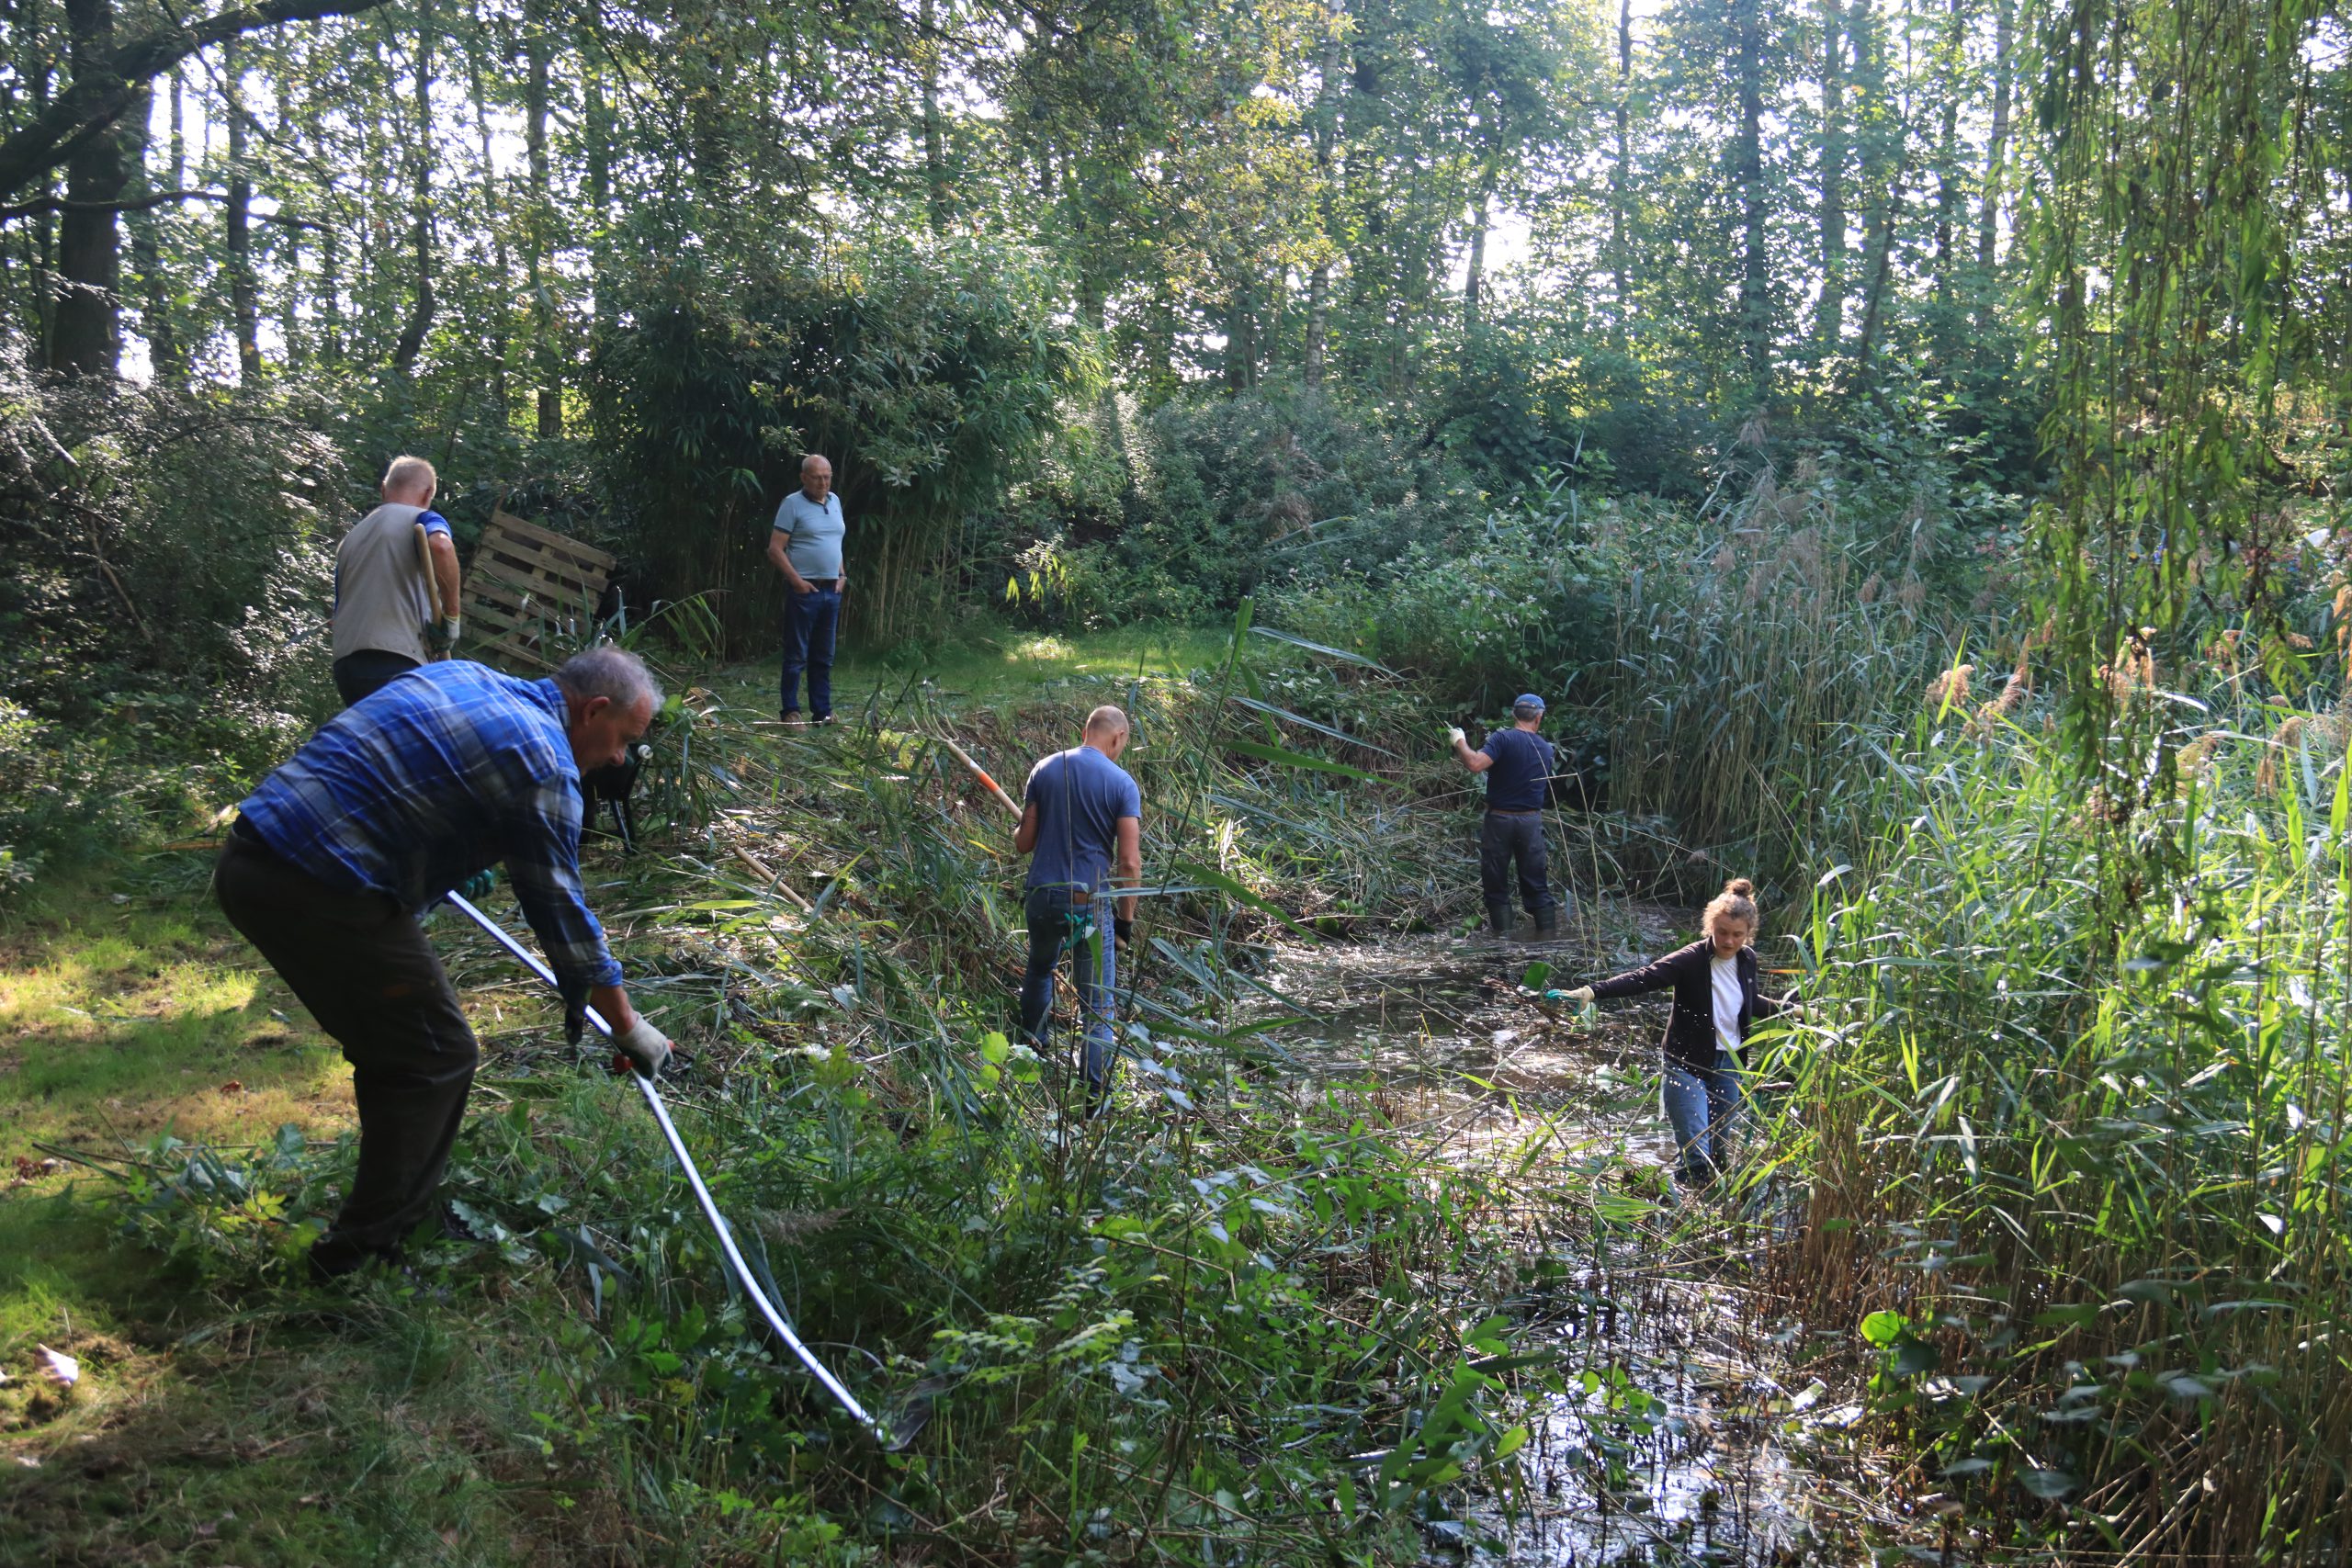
(776, 1321)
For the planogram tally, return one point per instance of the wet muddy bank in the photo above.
(1678, 1419)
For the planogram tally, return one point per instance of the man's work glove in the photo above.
(642, 1047)
(1454, 736)
(475, 888)
(1581, 996)
(1123, 929)
(443, 634)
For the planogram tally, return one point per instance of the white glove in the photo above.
(1581, 996)
(1454, 737)
(451, 626)
(646, 1047)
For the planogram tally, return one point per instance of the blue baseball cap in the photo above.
(1527, 700)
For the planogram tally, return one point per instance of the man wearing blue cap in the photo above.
(1518, 764)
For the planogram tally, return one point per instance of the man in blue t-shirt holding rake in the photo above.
(1081, 822)
(1518, 763)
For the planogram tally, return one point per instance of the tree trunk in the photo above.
(934, 139)
(165, 359)
(1955, 59)
(1996, 139)
(244, 287)
(1318, 322)
(331, 295)
(180, 131)
(547, 354)
(1755, 300)
(1829, 324)
(86, 335)
(600, 203)
(1621, 174)
(1241, 341)
(1869, 111)
(1474, 276)
(1327, 125)
(420, 320)
(1882, 244)
(496, 222)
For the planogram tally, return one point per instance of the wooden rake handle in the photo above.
(980, 774)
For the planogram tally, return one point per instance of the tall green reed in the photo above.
(2081, 1186)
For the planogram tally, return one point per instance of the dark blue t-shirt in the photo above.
(1523, 762)
(1081, 795)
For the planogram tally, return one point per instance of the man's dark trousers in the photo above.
(1507, 836)
(810, 620)
(363, 967)
(358, 675)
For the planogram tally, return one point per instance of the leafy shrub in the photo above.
(1484, 611)
(160, 625)
(1279, 485)
(928, 372)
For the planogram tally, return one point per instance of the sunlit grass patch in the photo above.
(117, 1024)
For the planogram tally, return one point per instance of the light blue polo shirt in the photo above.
(813, 533)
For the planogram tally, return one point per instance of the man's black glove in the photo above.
(1123, 929)
(576, 1021)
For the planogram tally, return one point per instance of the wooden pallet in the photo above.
(526, 582)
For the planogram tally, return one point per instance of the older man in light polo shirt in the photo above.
(806, 546)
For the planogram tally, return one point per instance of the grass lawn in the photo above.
(994, 665)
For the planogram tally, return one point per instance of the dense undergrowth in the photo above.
(1235, 1320)
(2079, 1169)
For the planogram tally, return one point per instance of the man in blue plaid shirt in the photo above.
(399, 799)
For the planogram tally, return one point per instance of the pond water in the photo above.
(1685, 1435)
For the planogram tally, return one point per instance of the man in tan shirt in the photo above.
(385, 621)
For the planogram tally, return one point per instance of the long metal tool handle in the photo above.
(768, 1310)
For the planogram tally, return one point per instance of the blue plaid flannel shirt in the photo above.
(445, 769)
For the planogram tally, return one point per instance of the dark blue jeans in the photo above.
(809, 621)
(1049, 933)
(1503, 838)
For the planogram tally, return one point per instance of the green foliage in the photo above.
(161, 622)
(2086, 1209)
(1483, 610)
(928, 373)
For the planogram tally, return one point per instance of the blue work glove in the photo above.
(477, 888)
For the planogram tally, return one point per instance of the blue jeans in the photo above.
(1049, 932)
(1706, 1106)
(809, 622)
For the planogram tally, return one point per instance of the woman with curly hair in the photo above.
(1716, 1002)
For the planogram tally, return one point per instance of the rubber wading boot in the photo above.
(1500, 921)
(1547, 920)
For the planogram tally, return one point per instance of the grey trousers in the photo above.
(1507, 837)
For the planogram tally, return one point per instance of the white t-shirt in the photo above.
(1725, 976)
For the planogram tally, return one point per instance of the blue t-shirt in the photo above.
(1523, 762)
(813, 533)
(1081, 795)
